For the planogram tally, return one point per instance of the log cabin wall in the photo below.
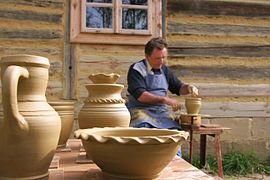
(96, 58)
(220, 46)
(223, 47)
(38, 28)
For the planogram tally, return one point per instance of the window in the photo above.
(115, 21)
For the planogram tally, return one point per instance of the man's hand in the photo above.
(193, 90)
(173, 103)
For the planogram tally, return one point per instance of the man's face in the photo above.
(157, 58)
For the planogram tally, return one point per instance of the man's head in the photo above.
(156, 52)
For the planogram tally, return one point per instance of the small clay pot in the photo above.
(193, 105)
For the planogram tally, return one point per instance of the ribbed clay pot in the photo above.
(104, 106)
(30, 128)
(131, 153)
(65, 110)
(193, 105)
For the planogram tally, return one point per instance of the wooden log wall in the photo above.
(223, 47)
(92, 59)
(36, 27)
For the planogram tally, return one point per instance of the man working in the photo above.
(148, 83)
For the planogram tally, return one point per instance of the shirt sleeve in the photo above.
(174, 83)
(136, 83)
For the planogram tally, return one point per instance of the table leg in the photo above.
(202, 149)
(218, 156)
(190, 145)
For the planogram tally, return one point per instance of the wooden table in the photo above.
(203, 132)
(68, 169)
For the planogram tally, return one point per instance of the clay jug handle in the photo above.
(10, 81)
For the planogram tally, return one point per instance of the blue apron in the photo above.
(153, 116)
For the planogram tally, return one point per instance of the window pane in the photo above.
(134, 19)
(100, 1)
(135, 2)
(98, 17)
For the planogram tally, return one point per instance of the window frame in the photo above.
(78, 34)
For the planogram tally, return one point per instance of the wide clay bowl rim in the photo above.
(131, 135)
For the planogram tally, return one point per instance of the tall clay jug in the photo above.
(30, 129)
(104, 106)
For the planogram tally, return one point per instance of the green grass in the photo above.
(236, 163)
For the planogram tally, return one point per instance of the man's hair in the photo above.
(157, 42)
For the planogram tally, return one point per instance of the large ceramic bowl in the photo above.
(131, 153)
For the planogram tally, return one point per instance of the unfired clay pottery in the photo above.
(193, 105)
(102, 78)
(31, 127)
(65, 110)
(131, 153)
(104, 106)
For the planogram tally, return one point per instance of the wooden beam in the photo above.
(232, 90)
(30, 34)
(221, 50)
(218, 29)
(219, 8)
(236, 109)
(226, 72)
(30, 15)
(38, 3)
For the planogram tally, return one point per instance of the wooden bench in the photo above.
(203, 132)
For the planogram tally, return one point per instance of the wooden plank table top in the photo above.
(70, 169)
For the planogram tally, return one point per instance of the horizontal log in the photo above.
(236, 109)
(11, 50)
(30, 15)
(217, 29)
(221, 50)
(226, 72)
(232, 90)
(37, 3)
(30, 34)
(219, 8)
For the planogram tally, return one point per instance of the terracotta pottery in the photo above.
(31, 127)
(104, 106)
(193, 105)
(65, 109)
(131, 153)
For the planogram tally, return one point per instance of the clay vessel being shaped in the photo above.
(65, 109)
(131, 153)
(102, 78)
(193, 105)
(104, 107)
(30, 129)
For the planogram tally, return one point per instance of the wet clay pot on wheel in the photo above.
(131, 153)
(193, 105)
(104, 106)
(30, 129)
(65, 110)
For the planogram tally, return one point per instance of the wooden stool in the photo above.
(203, 131)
